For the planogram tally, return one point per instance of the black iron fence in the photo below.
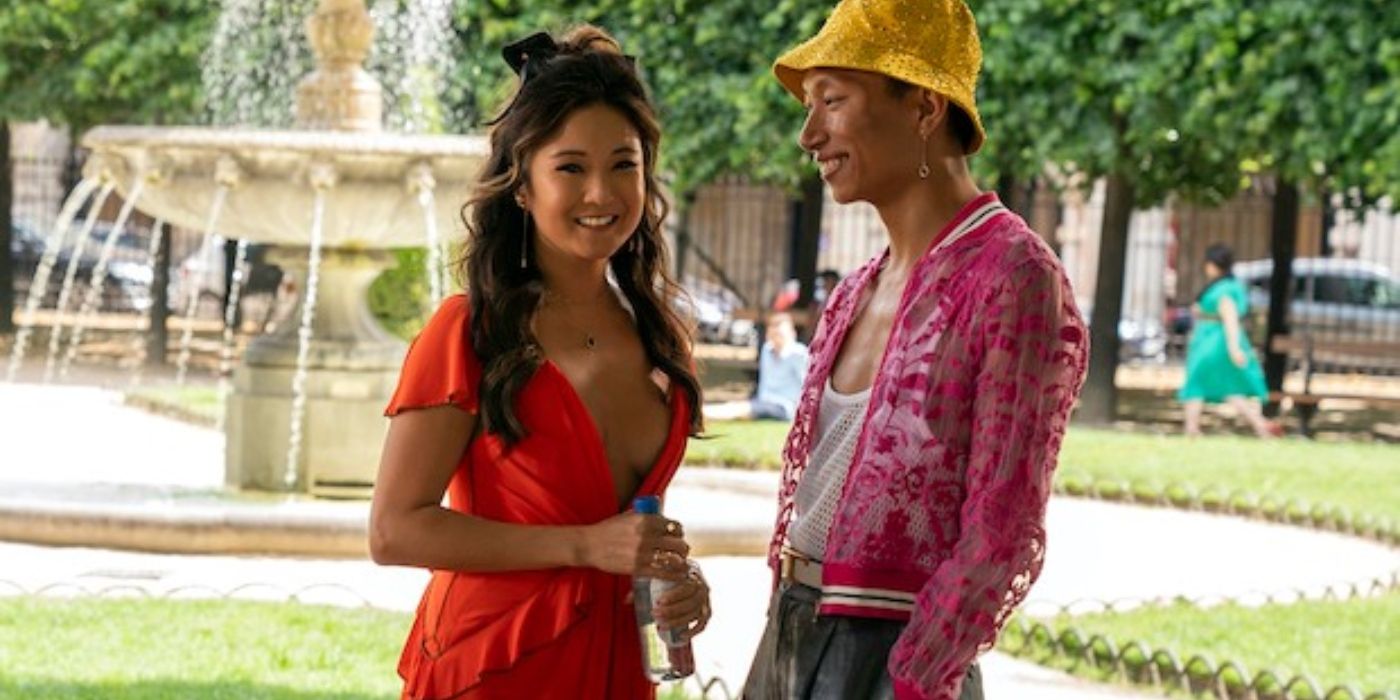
(1343, 296)
(1343, 300)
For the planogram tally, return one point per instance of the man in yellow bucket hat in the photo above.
(916, 475)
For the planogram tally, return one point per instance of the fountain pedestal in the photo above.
(352, 371)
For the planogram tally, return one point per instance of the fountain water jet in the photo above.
(39, 285)
(70, 276)
(138, 343)
(322, 180)
(420, 181)
(87, 312)
(193, 289)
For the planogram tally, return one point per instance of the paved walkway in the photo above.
(76, 453)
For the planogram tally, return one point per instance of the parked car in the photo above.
(26, 246)
(128, 282)
(1332, 299)
(1335, 298)
(1140, 339)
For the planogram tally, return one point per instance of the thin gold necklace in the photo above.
(590, 341)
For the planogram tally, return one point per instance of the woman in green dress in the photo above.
(1221, 366)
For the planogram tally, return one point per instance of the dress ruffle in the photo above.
(441, 368)
(470, 626)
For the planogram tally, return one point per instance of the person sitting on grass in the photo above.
(782, 365)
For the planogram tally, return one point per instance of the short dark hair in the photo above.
(1220, 255)
(958, 120)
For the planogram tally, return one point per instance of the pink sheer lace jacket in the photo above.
(942, 520)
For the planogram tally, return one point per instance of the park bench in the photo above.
(1306, 349)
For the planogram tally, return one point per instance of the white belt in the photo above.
(796, 567)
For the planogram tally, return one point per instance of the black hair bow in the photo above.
(526, 56)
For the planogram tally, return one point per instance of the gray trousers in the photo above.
(806, 657)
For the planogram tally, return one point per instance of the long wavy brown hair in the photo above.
(588, 69)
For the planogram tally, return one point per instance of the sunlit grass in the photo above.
(1362, 477)
(1333, 642)
(140, 649)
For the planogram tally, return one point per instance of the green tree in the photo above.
(1018, 114)
(1307, 91)
(1310, 92)
(82, 63)
(707, 63)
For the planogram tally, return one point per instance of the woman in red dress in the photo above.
(542, 402)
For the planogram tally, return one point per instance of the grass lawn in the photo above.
(200, 403)
(1362, 477)
(136, 649)
(745, 444)
(1333, 642)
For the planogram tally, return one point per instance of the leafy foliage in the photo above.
(398, 297)
(1188, 97)
(83, 63)
(1310, 91)
(707, 63)
(1098, 87)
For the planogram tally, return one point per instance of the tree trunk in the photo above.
(7, 265)
(808, 240)
(1328, 222)
(159, 335)
(1017, 195)
(1006, 190)
(1099, 405)
(684, 206)
(1284, 245)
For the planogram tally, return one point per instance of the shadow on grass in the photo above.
(167, 689)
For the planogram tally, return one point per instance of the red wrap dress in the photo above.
(556, 633)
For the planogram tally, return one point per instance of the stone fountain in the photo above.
(332, 197)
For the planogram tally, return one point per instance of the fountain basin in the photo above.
(372, 201)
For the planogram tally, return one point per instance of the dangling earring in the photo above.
(923, 167)
(637, 244)
(524, 239)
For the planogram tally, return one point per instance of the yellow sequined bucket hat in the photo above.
(927, 43)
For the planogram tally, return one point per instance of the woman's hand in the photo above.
(1238, 357)
(686, 606)
(637, 545)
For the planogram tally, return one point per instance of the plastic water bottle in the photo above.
(666, 654)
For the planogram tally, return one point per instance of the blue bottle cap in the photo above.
(647, 505)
